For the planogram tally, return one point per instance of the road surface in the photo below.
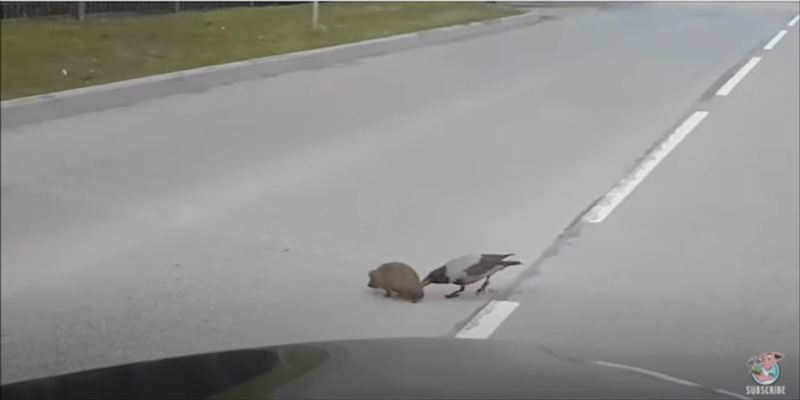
(697, 270)
(250, 214)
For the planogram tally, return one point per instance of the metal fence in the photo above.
(79, 9)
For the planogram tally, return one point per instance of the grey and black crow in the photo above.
(469, 269)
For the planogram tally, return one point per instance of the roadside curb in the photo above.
(29, 110)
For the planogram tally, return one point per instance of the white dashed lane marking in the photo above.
(775, 40)
(483, 324)
(489, 318)
(727, 88)
(621, 190)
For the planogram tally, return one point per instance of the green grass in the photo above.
(94, 51)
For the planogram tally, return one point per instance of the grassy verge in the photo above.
(41, 56)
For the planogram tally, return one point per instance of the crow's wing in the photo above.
(488, 262)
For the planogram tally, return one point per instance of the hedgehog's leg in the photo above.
(455, 294)
(388, 293)
(484, 285)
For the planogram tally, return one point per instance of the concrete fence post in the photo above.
(176, 6)
(315, 15)
(81, 11)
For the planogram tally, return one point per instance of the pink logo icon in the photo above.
(765, 369)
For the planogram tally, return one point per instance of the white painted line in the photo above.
(487, 320)
(669, 378)
(794, 20)
(735, 79)
(621, 190)
(732, 394)
(775, 40)
(654, 374)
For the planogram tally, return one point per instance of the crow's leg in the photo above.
(455, 294)
(484, 285)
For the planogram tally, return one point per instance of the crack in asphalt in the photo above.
(572, 231)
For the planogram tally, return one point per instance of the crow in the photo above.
(469, 269)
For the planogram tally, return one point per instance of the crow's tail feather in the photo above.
(510, 263)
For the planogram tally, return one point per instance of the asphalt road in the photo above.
(250, 214)
(697, 270)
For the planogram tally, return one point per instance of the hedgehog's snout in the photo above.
(371, 282)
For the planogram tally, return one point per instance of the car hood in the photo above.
(379, 368)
